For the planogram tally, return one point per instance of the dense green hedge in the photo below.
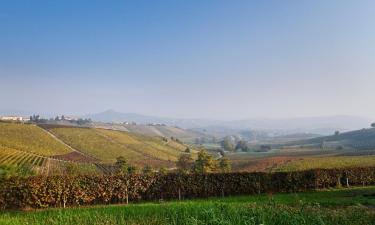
(58, 191)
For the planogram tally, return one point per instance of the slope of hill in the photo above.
(106, 145)
(51, 149)
(155, 130)
(327, 162)
(323, 125)
(359, 139)
(30, 138)
(27, 145)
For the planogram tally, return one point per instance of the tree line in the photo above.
(205, 163)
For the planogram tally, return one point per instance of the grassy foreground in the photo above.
(344, 206)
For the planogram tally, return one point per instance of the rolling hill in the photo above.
(51, 149)
(30, 138)
(31, 146)
(359, 140)
(154, 130)
(106, 145)
(322, 125)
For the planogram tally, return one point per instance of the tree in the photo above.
(163, 170)
(184, 163)
(72, 169)
(337, 132)
(187, 150)
(7, 171)
(373, 125)
(265, 148)
(24, 170)
(243, 146)
(228, 144)
(34, 118)
(225, 165)
(121, 165)
(204, 163)
(147, 170)
(132, 170)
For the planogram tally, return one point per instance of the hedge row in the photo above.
(61, 191)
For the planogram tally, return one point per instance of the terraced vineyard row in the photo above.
(106, 145)
(55, 149)
(30, 138)
(10, 156)
(42, 165)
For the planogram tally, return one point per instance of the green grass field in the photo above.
(338, 206)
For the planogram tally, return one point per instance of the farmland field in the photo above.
(54, 150)
(106, 145)
(327, 163)
(291, 159)
(30, 138)
(337, 206)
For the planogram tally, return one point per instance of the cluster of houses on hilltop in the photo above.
(15, 118)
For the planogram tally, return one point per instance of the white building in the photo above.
(13, 118)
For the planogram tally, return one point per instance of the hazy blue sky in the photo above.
(210, 59)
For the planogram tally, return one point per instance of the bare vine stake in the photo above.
(179, 194)
(258, 185)
(347, 182)
(127, 195)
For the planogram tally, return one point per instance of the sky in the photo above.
(212, 59)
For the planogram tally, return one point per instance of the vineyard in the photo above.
(63, 191)
(42, 165)
(50, 150)
(327, 163)
(10, 156)
(30, 138)
(107, 145)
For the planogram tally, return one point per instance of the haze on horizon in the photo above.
(189, 59)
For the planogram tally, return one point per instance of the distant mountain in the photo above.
(109, 116)
(317, 125)
(113, 116)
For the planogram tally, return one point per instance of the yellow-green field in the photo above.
(41, 165)
(51, 149)
(327, 162)
(107, 145)
(30, 138)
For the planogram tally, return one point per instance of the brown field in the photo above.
(300, 159)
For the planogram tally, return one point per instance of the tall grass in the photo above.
(345, 206)
(196, 213)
